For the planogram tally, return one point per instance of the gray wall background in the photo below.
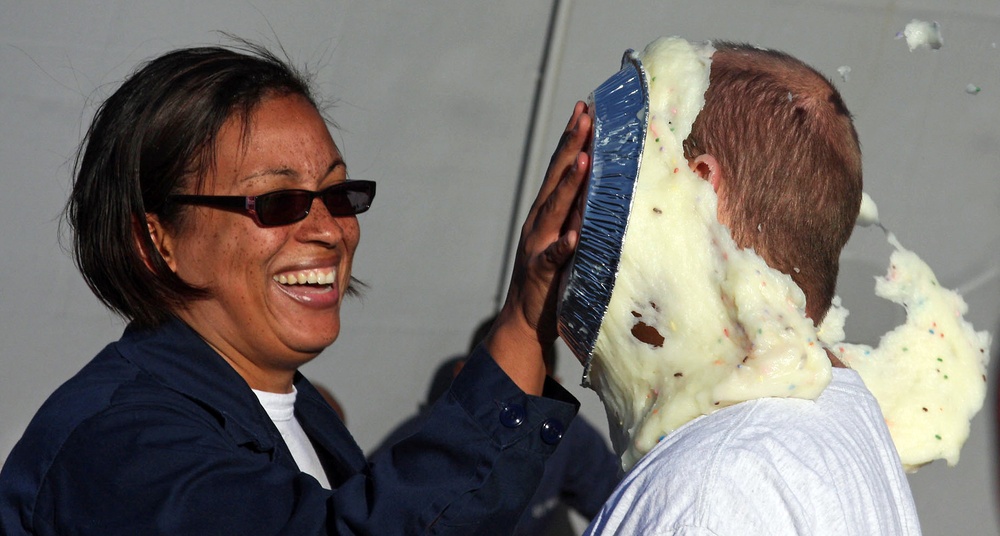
(434, 101)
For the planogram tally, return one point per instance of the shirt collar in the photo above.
(181, 360)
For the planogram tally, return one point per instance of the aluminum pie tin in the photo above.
(620, 111)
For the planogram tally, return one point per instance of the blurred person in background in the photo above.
(579, 476)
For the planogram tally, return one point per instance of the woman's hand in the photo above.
(549, 236)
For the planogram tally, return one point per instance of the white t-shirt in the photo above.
(771, 467)
(280, 408)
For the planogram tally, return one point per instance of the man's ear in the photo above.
(161, 239)
(707, 167)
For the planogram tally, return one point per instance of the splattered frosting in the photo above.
(928, 374)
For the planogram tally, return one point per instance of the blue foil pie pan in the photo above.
(620, 111)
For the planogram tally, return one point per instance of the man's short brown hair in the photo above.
(790, 162)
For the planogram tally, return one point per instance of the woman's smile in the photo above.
(315, 288)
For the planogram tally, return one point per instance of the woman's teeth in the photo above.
(307, 277)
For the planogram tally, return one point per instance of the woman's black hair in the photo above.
(151, 138)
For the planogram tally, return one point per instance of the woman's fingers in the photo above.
(549, 236)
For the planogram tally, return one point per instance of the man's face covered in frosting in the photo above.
(694, 323)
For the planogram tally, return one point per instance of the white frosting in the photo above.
(924, 34)
(831, 330)
(928, 374)
(868, 215)
(694, 323)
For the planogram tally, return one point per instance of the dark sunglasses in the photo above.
(282, 207)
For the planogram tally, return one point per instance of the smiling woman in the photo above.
(212, 210)
(265, 329)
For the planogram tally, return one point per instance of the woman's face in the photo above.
(262, 323)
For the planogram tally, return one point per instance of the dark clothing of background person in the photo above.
(579, 476)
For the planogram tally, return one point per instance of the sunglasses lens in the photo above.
(283, 207)
(349, 198)
(289, 206)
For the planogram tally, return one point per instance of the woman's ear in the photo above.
(161, 239)
(707, 167)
